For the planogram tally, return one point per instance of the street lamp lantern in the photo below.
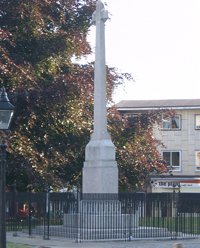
(6, 110)
(6, 113)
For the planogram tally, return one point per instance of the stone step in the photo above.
(102, 234)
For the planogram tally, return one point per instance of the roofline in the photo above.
(156, 108)
(174, 177)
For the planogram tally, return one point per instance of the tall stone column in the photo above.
(100, 172)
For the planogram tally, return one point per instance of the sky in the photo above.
(158, 42)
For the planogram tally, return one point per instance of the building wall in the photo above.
(186, 140)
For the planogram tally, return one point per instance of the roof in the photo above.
(158, 104)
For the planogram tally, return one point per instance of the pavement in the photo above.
(39, 242)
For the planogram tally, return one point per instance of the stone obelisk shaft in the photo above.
(100, 112)
(100, 172)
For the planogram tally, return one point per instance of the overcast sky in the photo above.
(158, 42)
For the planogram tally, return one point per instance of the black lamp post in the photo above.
(6, 113)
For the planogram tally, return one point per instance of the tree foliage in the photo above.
(137, 148)
(53, 95)
(38, 41)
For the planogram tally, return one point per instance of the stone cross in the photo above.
(100, 14)
(100, 172)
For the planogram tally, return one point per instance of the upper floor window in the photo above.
(173, 122)
(132, 117)
(197, 160)
(197, 121)
(173, 160)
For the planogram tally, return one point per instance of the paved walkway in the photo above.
(38, 242)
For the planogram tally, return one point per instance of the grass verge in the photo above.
(13, 245)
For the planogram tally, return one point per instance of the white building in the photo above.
(181, 137)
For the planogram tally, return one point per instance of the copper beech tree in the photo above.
(137, 148)
(40, 44)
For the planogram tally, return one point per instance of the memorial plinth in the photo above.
(100, 173)
(101, 219)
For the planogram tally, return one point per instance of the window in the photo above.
(173, 160)
(197, 121)
(132, 118)
(197, 160)
(173, 122)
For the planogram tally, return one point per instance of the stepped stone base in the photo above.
(106, 234)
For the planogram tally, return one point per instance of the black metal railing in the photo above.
(125, 216)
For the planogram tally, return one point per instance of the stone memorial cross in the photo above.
(100, 172)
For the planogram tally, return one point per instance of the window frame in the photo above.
(196, 127)
(170, 166)
(197, 161)
(169, 122)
